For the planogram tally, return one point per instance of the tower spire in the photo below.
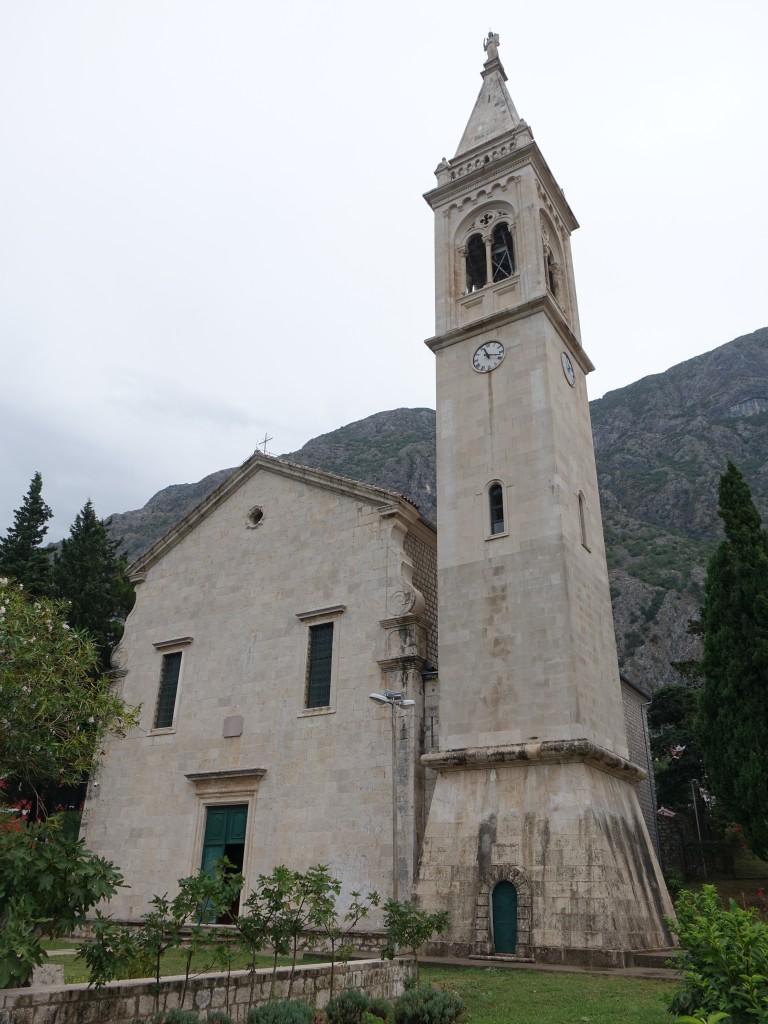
(494, 113)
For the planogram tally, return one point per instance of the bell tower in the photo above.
(534, 805)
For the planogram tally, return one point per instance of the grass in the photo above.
(173, 962)
(497, 996)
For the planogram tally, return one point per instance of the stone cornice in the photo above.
(181, 641)
(227, 773)
(533, 754)
(322, 613)
(492, 169)
(542, 303)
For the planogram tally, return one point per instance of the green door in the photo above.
(225, 837)
(504, 902)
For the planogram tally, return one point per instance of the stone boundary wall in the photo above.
(122, 1002)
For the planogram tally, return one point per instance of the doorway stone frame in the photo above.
(483, 914)
(217, 788)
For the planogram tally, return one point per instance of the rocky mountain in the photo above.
(661, 445)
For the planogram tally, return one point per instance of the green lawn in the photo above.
(173, 962)
(496, 996)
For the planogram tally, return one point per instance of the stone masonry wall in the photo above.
(424, 560)
(638, 753)
(126, 1001)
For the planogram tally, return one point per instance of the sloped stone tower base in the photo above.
(560, 822)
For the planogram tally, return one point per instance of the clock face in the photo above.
(568, 370)
(488, 356)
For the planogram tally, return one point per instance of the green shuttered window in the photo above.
(166, 696)
(319, 661)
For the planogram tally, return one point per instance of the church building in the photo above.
(298, 706)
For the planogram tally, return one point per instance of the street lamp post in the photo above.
(395, 699)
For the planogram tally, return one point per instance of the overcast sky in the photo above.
(211, 223)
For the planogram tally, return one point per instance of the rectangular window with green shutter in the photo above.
(166, 694)
(319, 663)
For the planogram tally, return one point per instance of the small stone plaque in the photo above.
(233, 726)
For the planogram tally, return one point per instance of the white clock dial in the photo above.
(570, 374)
(488, 356)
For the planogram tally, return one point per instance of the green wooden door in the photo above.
(504, 901)
(224, 835)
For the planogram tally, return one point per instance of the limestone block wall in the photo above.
(424, 557)
(634, 718)
(127, 1001)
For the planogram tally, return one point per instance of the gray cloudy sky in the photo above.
(211, 223)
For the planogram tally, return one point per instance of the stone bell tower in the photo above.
(535, 841)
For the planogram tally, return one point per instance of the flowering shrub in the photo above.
(55, 706)
(724, 959)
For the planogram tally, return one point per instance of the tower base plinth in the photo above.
(540, 850)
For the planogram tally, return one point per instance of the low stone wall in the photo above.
(122, 1002)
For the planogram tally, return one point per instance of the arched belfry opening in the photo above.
(502, 252)
(554, 263)
(477, 270)
(553, 271)
(486, 249)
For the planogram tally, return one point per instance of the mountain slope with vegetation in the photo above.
(660, 444)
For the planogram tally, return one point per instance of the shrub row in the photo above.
(419, 1004)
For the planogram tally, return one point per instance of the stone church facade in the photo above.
(262, 623)
(497, 782)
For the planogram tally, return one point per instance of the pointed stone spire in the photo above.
(494, 114)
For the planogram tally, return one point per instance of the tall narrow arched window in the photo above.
(477, 272)
(583, 520)
(496, 508)
(502, 253)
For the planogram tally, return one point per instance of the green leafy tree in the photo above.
(409, 928)
(268, 918)
(732, 723)
(21, 556)
(54, 711)
(338, 933)
(48, 883)
(89, 573)
(674, 744)
(116, 951)
(55, 707)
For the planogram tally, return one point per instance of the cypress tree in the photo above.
(89, 573)
(21, 556)
(674, 744)
(733, 712)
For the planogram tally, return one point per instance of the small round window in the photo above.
(255, 516)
